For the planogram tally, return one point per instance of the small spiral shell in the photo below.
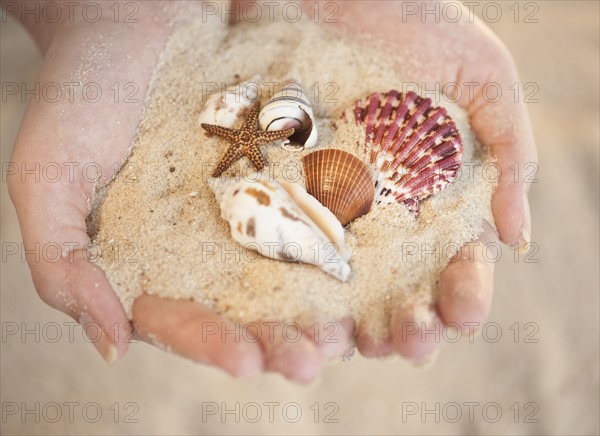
(287, 108)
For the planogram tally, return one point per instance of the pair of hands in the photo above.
(82, 133)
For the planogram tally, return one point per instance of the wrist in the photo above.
(43, 18)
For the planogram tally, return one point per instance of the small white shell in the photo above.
(228, 107)
(263, 217)
(287, 108)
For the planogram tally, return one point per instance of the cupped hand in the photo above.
(434, 50)
(75, 143)
(79, 134)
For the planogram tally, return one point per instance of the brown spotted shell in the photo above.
(282, 221)
(340, 181)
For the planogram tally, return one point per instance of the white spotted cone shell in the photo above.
(415, 146)
(340, 181)
(290, 107)
(264, 217)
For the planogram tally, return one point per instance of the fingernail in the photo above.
(102, 342)
(525, 237)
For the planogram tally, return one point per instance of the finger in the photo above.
(80, 289)
(197, 333)
(369, 346)
(332, 338)
(55, 240)
(466, 285)
(289, 351)
(502, 125)
(416, 331)
(510, 204)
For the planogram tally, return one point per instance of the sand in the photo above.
(158, 226)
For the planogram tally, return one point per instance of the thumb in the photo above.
(52, 218)
(502, 124)
(79, 288)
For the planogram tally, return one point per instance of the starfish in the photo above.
(245, 141)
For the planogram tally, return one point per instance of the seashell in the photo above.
(340, 181)
(263, 216)
(415, 146)
(287, 108)
(226, 108)
(325, 220)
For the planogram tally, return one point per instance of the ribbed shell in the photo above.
(415, 145)
(340, 181)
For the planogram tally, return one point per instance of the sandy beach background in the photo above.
(535, 370)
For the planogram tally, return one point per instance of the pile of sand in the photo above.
(158, 225)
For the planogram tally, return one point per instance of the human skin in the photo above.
(103, 133)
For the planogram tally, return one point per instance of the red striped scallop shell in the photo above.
(415, 145)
